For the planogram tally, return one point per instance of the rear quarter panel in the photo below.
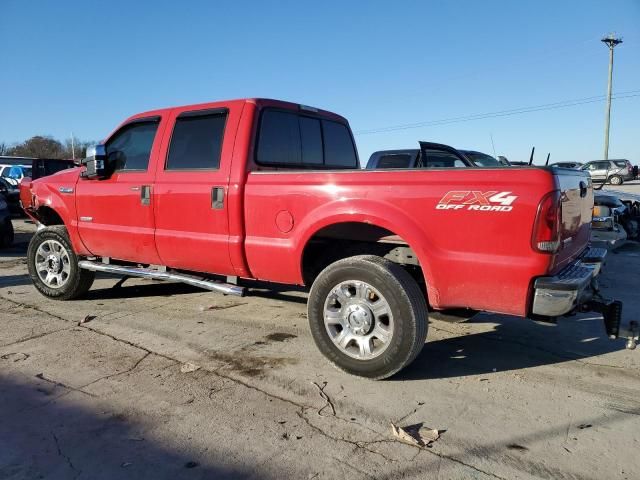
(470, 258)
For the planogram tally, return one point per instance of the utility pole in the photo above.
(73, 147)
(611, 41)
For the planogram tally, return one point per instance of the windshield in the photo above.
(482, 159)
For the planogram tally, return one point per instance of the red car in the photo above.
(270, 190)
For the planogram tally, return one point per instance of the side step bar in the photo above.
(225, 288)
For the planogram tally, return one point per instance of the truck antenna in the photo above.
(531, 157)
(548, 157)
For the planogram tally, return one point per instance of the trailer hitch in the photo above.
(611, 311)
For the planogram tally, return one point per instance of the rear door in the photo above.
(115, 215)
(192, 186)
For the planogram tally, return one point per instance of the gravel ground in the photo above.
(513, 399)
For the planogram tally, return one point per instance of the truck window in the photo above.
(339, 150)
(402, 160)
(130, 147)
(279, 142)
(196, 142)
(441, 159)
(311, 138)
(288, 139)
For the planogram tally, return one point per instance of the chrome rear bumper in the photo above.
(572, 287)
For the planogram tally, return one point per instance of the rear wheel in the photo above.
(367, 316)
(53, 265)
(615, 180)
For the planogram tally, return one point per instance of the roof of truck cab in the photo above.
(260, 102)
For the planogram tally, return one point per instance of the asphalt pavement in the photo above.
(160, 380)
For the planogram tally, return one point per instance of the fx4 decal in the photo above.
(474, 200)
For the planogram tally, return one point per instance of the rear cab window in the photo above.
(297, 140)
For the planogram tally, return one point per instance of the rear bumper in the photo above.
(572, 287)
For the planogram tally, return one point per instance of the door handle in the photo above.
(145, 195)
(217, 198)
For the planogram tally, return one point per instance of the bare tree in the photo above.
(4, 148)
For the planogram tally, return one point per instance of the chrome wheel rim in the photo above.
(53, 264)
(358, 319)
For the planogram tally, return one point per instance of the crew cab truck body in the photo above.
(270, 190)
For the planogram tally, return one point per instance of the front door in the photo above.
(191, 200)
(115, 215)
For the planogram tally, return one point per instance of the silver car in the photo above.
(615, 172)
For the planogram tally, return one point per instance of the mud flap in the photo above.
(611, 312)
(612, 316)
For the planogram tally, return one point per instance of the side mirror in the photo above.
(96, 162)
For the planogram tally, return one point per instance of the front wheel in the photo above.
(615, 180)
(53, 265)
(367, 316)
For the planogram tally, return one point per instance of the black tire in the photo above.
(405, 299)
(79, 280)
(616, 180)
(7, 236)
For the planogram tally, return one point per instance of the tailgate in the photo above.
(577, 208)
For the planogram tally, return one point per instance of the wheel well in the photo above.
(48, 216)
(342, 240)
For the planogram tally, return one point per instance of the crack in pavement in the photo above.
(357, 444)
(301, 408)
(129, 370)
(33, 337)
(63, 385)
(66, 457)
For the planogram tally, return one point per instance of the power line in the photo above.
(501, 113)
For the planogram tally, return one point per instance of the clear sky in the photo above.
(84, 66)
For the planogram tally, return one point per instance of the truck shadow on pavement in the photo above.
(47, 433)
(514, 344)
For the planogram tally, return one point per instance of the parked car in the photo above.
(438, 156)
(625, 213)
(566, 165)
(11, 195)
(503, 161)
(615, 172)
(6, 226)
(14, 173)
(481, 159)
(271, 190)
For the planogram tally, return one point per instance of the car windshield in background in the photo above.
(482, 159)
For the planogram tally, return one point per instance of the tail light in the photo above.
(546, 230)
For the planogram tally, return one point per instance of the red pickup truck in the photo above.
(262, 189)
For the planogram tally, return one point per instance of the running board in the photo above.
(225, 288)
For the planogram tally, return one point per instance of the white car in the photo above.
(14, 173)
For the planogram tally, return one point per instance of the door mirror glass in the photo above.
(95, 162)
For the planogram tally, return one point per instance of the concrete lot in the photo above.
(107, 399)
